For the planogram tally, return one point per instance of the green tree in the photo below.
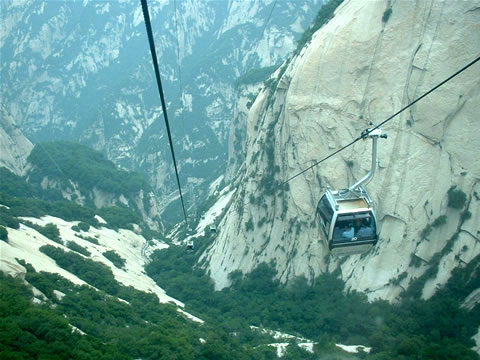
(116, 259)
(51, 231)
(456, 198)
(72, 245)
(3, 234)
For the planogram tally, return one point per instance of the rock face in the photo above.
(24, 244)
(79, 174)
(236, 151)
(368, 62)
(82, 71)
(14, 146)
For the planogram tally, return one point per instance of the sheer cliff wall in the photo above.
(369, 61)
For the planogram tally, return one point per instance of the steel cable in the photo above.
(148, 25)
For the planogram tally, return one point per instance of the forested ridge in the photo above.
(113, 322)
(139, 327)
(438, 328)
(414, 329)
(108, 320)
(67, 161)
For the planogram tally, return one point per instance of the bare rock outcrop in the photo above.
(14, 146)
(369, 61)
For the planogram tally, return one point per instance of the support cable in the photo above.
(265, 26)
(179, 66)
(365, 133)
(181, 88)
(148, 25)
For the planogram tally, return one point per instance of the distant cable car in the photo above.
(213, 229)
(189, 233)
(347, 216)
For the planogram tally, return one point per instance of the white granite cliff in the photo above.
(14, 146)
(362, 67)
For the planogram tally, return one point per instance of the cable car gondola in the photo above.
(189, 241)
(347, 216)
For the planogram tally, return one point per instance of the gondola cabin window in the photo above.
(326, 213)
(355, 227)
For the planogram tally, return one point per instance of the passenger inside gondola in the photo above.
(364, 228)
(337, 234)
(349, 232)
(344, 230)
(353, 228)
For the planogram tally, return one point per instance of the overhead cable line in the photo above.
(365, 133)
(178, 65)
(176, 30)
(148, 25)
(265, 26)
(182, 105)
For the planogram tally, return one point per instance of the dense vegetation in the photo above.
(324, 15)
(49, 230)
(114, 329)
(3, 234)
(415, 329)
(68, 166)
(256, 75)
(438, 328)
(15, 186)
(67, 210)
(72, 245)
(20, 198)
(67, 161)
(92, 272)
(116, 259)
(116, 217)
(456, 198)
(40, 332)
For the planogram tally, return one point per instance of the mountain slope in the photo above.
(67, 199)
(14, 146)
(365, 64)
(24, 244)
(81, 71)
